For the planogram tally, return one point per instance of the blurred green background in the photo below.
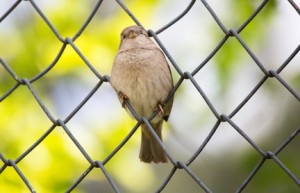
(28, 46)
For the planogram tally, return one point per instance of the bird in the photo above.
(141, 76)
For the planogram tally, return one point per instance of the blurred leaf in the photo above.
(252, 34)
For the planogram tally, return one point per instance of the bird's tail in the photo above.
(150, 149)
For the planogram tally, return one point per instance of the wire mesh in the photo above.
(184, 77)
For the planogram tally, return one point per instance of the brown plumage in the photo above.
(141, 75)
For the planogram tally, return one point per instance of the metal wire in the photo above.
(184, 76)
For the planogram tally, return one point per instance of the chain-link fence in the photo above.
(187, 76)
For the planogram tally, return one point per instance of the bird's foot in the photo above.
(160, 109)
(122, 98)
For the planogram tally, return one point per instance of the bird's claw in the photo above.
(122, 98)
(160, 109)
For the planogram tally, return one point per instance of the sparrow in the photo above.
(141, 75)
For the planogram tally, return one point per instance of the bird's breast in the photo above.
(139, 77)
